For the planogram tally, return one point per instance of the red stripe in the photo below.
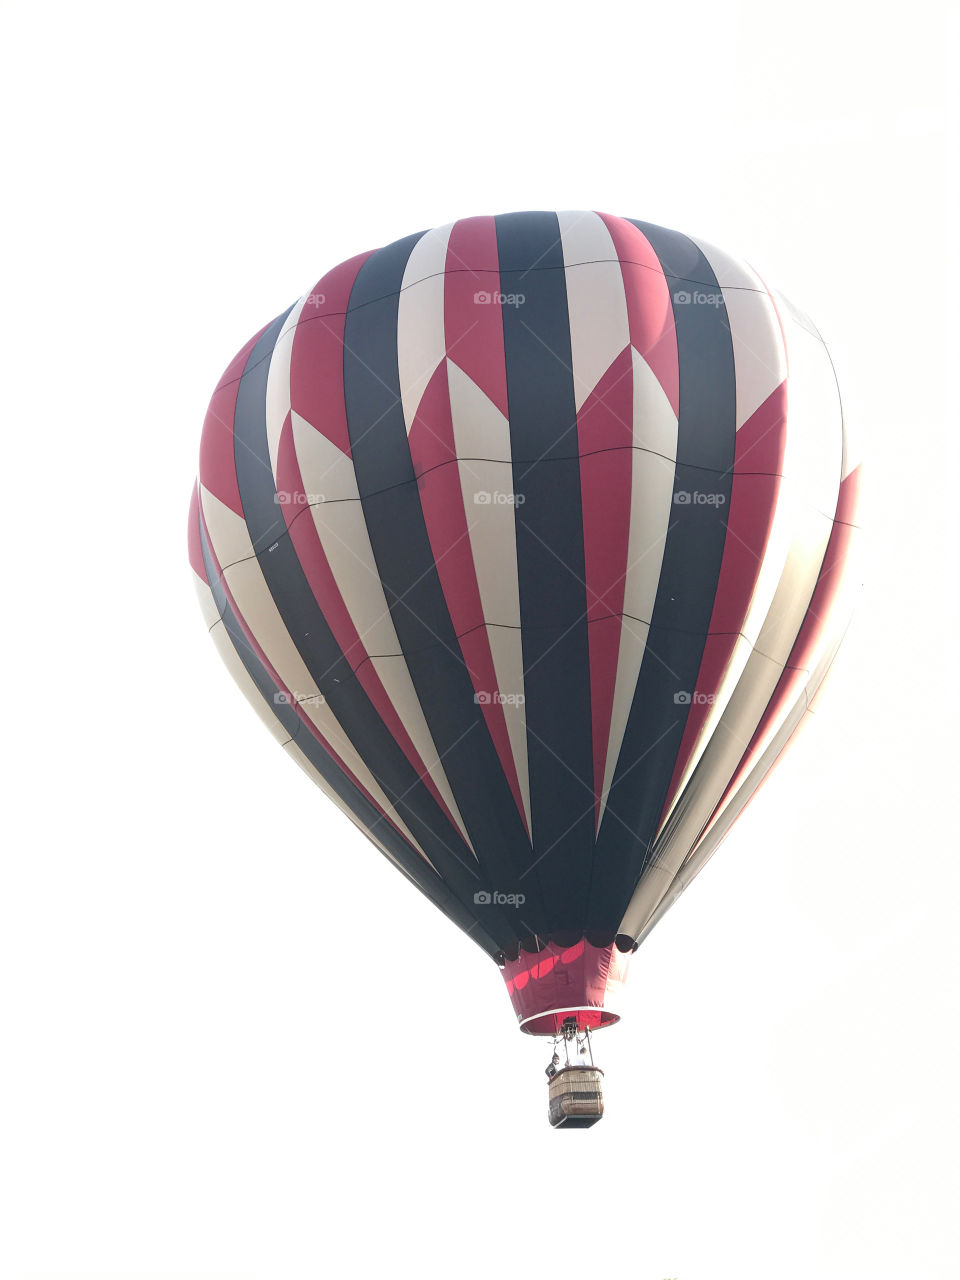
(432, 442)
(605, 431)
(762, 440)
(316, 359)
(431, 433)
(474, 328)
(218, 468)
(649, 305)
(753, 504)
(302, 715)
(799, 664)
(441, 499)
(316, 567)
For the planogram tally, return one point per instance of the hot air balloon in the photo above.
(529, 537)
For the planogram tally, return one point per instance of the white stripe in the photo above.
(794, 552)
(654, 421)
(278, 382)
(775, 741)
(596, 301)
(758, 350)
(208, 605)
(759, 355)
(234, 664)
(651, 508)
(828, 643)
(480, 431)
(421, 339)
(723, 752)
(232, 546)
(810, 486)
(342, 530)
(327, 472)
(599, 333)
(731, 271)
(745, 328)
(257, 607)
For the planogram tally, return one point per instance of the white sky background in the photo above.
(206, 971)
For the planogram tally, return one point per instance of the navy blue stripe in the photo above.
(321, 653)
(550, 554)
(401, 546)
(410, 862)
(688, 579)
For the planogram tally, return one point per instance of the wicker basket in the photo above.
(576, 1097)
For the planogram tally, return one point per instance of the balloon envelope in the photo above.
(528, 537)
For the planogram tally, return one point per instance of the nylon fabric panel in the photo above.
(692, 554)
(550, 560)
(365, 813)
(407, 567)
(322, 656)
